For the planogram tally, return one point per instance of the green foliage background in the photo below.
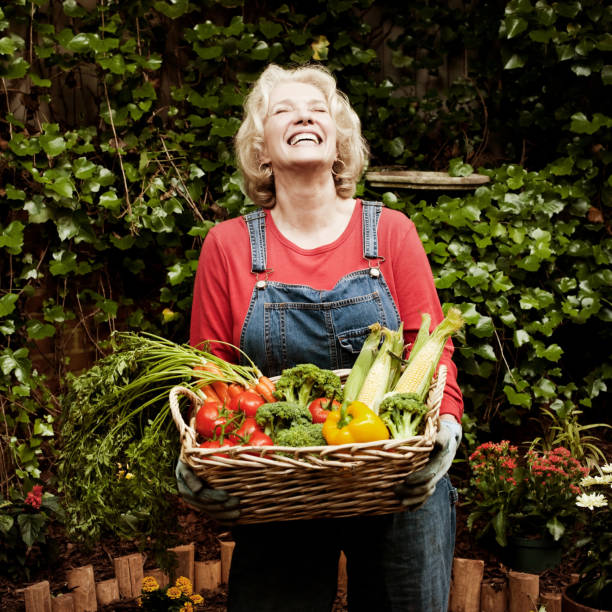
(116, 121)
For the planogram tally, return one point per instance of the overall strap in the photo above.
(256, 224)
(370, 215)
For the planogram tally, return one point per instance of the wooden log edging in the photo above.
(470, 591)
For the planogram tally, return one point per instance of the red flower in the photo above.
(34, 497)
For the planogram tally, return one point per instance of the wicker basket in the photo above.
(277, 483)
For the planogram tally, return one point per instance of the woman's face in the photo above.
(299, 131)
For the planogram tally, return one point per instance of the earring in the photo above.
(266, 170)
(337, 161)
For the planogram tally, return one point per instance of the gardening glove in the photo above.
(217, 504)
(417, 487)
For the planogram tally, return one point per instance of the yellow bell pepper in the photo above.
(354, 423)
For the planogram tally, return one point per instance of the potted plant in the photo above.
(593, 591)
(526, 501)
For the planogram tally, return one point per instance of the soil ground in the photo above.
(206, 536)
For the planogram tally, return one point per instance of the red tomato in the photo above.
(247, 402)
(319, 409)
(243, 434)
(215, 444)
(259, 438)
(212, 421)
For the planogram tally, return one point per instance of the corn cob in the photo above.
(376, 382)
(422, 335)
(422, 365)
(364, 362)
(398, 352)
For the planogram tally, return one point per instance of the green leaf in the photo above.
(514, 61)
(390, 199)
(483, 328)
(209, 53)
(456, 167)
(16, 68)
(172, 9)
(7, 303)
(83, 168)
(38, 330)
(269, 29)
(11, 237)
(6, 523)
(397, 146)
(517, 399)
(500, 526)
(31, 527)
(179, 272)
(52, 144)
(73, 9)
(514, 26)
(552, 352)
(16, 362)
(555, 528)
(14, 194)
(62, 186)
(115, 63)
(521, 337)
(67, 227)
(7, 45)
(37, 211)
(110, 200)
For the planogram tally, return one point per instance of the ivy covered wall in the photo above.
(116, 125)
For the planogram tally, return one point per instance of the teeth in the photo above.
(304, 137)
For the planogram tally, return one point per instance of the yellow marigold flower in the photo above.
(197, 599)
(187, 607)
(173, 592)
(185, 585)
(129, 475)
(149, 584)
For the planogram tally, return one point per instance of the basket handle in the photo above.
(187, 434)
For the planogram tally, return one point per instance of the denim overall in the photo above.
(394, 562)
(290, 324)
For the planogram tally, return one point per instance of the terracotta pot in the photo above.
(532, 555)
(569, 604)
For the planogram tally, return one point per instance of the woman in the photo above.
(301, 280)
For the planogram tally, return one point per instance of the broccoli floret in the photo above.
(301, 434)
(403, 414)
(305, 382)
(277, 416)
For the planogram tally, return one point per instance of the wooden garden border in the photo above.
(470, 591)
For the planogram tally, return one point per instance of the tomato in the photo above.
(319, 409)
(243, 434)
(215, 444)
(247, 402)
(259, 438)
(212, 420)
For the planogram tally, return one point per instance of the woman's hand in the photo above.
(416, 488)
(217, 504)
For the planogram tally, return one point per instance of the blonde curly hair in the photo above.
(352, 149)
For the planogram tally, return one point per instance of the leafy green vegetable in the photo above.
(403, 414)
(306, 382)
(277, 416)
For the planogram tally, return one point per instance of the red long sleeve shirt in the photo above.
(224, 281)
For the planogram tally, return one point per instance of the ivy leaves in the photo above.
(503, 253)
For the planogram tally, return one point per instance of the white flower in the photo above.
(591, 500)
(589, 481)
(607, 469)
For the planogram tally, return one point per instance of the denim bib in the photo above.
(290, 324)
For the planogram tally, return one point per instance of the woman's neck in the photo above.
(310, 214)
